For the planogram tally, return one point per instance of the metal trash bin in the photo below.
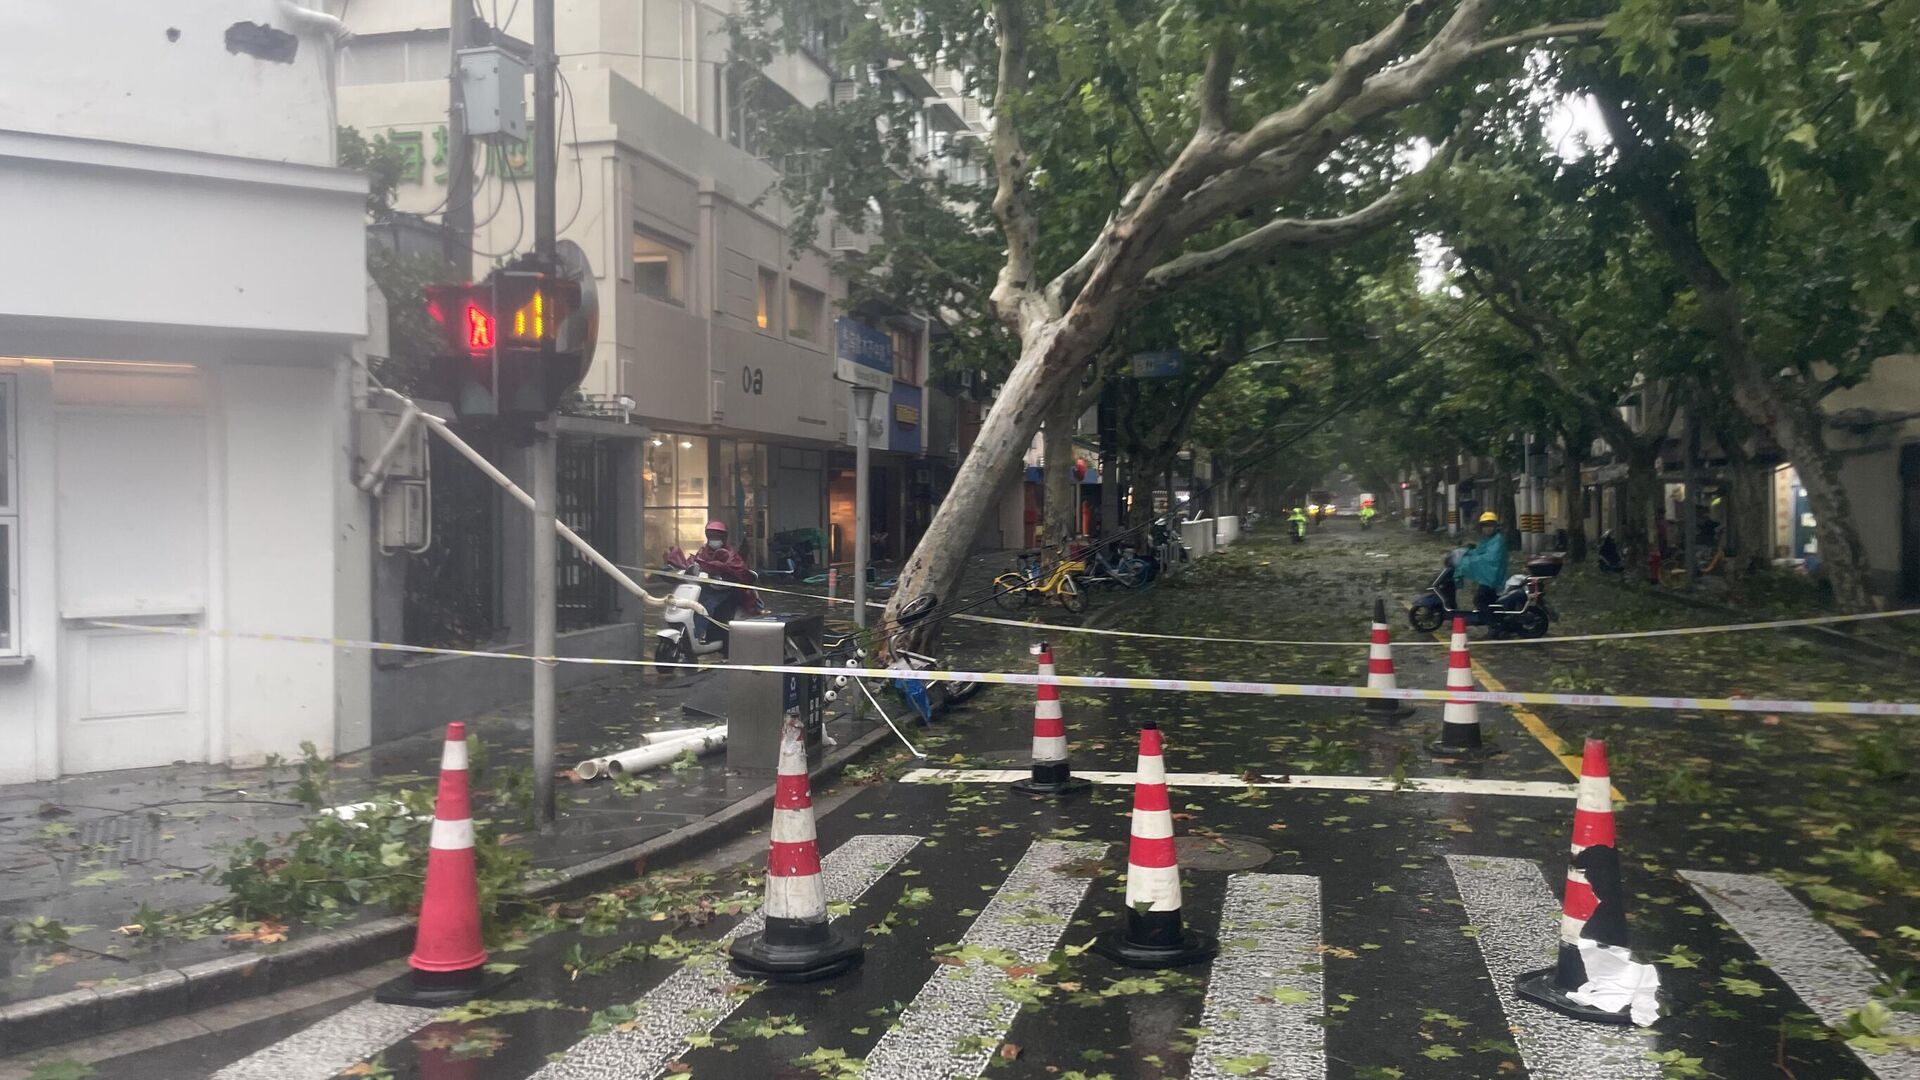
(758, 702)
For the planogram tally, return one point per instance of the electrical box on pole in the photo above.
(493, 85)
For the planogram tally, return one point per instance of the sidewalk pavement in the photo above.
(88, 852)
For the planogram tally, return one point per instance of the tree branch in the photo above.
(1281, 233)
(1013, 294)
(1591, 28)
(1214, 103)
(1358, 63)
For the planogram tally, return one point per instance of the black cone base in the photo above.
(1047, 782)
(435, 989)
(1474, 751)
(799, 952)
(1156, 939)
(1542, 988)
(1388, 709)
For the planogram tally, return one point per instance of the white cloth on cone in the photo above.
(1615, 981)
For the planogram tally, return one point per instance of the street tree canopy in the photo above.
(1138, 149)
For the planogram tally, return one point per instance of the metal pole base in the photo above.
(793, 951)
(1155, 940)
(433, 989)
(1541, 988)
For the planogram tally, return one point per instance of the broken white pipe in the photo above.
(654, 755)
(377, 471)
(593, 768)
(439, 427)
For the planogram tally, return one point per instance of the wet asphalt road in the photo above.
(1398, 978)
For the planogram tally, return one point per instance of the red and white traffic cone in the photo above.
(449, 961)
(798, 944)
(1380, 674)
(1594, 906)
(1051, 773)
(1154, 936)
(1460, 720)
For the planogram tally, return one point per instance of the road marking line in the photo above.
(1266, 997)
(1519, 922)
(1536, 727)
(1432, 785)
(320, 1051)
(694, 1000)
(960, 1016)
(1810, 957)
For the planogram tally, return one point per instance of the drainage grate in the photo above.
(112, 842)
(1219, 852)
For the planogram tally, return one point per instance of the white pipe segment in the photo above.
(656, 754)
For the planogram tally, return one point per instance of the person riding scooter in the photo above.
(1297, 521)
(1366, 514)
(1484, 563)
(723, 563)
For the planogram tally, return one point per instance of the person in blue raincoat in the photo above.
(1485, 563)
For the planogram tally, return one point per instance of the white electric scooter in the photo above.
(688, 635)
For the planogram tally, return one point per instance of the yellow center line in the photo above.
(1531, 721)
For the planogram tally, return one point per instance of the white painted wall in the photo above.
(183, 212)
(135, 71)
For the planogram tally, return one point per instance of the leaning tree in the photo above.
(1226, 134)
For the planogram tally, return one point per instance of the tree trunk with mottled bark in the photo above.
(1060, 511)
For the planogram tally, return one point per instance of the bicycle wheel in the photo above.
(1130, 573)
(1072, 596)
(1010, 592)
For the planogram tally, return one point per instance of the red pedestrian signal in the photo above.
(479, 328)
(505, 347)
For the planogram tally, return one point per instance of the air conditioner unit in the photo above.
(845, 91)
(843, 238)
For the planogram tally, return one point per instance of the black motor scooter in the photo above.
(1519, 610)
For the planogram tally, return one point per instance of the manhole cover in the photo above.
(1219, 852)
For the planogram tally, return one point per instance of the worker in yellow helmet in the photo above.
(1297, 521)
(1484, 563)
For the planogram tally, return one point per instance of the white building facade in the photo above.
(184, 288)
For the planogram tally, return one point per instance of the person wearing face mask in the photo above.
(725, 564)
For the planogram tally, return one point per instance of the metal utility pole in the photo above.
(457, 222)
(545, 451)
(1690, 512)
(862, 499)
(1108, 423)
(544, 630)
(546, 157)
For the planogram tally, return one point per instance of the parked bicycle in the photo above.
(1114, 564)
(927, 699)
(1033, 584)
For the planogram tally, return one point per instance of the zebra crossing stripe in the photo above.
(1265, 996)
(1810, 957)
(1519, 931)
(695, 999)
(960, 1015)
(1430, 785)
(319, 1052)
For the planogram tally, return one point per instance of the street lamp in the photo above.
(863, 422)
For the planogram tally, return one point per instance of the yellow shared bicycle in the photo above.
(1034, 584)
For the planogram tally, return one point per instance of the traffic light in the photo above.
(511, 346)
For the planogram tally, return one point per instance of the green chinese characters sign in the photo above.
(514, 162)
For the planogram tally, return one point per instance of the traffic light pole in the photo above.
(545, 436)
(862, 499)
(544, 630)
(457, 222)
(546, 157)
